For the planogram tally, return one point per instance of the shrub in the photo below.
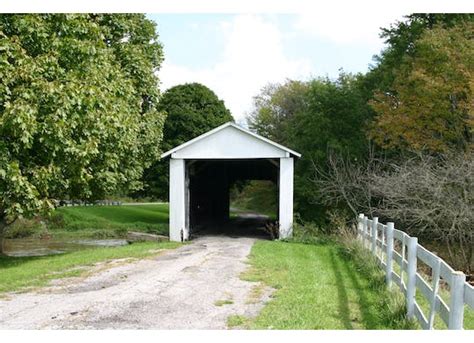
(23, 227)
(430, 197)
(273, 229)
(56, 220)
(308, 232)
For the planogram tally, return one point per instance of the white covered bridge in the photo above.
(203, 169)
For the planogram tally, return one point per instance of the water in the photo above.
(41, 247)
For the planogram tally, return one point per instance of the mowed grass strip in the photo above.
(17, 273)
(317, 287)
(109, 221)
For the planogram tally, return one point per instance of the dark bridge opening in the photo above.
(208, 196)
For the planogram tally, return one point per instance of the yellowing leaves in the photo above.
(431, 105)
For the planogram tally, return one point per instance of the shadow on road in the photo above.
(241, 224)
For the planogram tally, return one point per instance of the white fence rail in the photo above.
(390, 245)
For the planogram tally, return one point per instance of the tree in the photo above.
(312, 118)
(336, 119)
(400, 39)
(78, 107)
(274, 107)
(192, 109)
(430, 197)
(431, 105)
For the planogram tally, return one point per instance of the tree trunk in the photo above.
(3, 227)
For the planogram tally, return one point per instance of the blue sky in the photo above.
(237, 54)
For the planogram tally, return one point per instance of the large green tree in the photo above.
(192, 109)
(400, 39)
(78, 107)
(275, 106)
(431, 105)
(335, 120)
(313, 118)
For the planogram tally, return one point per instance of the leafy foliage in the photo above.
(432, 102)
(78, 107)
(401, 40)
(275, 106)
(192, 109)
(417, 97)
(311, 118)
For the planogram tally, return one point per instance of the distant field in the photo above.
(109, 221)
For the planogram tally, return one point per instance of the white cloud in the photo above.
(348, 23)
(253, 56)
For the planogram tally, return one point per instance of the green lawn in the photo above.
(317, 287)
(109, 221)
(20, 272)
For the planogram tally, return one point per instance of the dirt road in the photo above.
(196, 286)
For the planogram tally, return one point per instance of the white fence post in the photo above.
(360, 227)
(411, 275)
(366, 230)
(456, 304)
(389, 254)
(460, 291)
(375, 221)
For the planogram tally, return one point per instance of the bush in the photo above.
(23, 228)
(101, 234)
(307, 232)
(56, 220)
(429, 197)
(432, 198)
(273, 229)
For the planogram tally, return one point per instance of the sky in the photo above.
(236, 55)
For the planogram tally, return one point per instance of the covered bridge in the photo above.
(203, 169)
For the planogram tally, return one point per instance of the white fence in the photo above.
(388, 245)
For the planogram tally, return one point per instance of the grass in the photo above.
(19, 273)
(318, 286)
(257, 196)
(108, 221)
(236, 320)
(223, 302)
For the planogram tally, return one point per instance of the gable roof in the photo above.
(222, 127)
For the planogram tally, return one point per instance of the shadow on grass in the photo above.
(342, 299)
(366, 307)
(375, 311)
(379, 307)
(15, 261)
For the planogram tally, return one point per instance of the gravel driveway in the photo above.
(180, 289)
